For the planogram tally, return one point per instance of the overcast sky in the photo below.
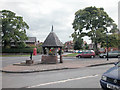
(40, 15)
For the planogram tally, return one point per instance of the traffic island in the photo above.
(68, 64)
(27, 63)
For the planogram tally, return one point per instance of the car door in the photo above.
(110, 54)
(86, 54)
(89, 54)
(115, 53)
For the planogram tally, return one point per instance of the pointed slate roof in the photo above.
(52, 40)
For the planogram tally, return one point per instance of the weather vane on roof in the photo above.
(52, 28)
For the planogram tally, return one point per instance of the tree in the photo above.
(93, 22)
(113, 40)
(86, 47)
(78, 44)
(13, 28)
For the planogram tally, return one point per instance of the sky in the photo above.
(40, 15)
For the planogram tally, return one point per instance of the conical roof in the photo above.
(52, 40)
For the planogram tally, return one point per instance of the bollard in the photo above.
(29, 62)
(31, 56)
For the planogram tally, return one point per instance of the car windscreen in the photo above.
(84, 52)
(87, 52)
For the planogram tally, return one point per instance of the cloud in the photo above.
(42, 14)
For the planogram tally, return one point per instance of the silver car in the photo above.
(110, 54)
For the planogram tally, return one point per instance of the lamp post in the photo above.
(107, 43)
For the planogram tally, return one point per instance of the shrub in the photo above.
(17, 50)
(20, 50)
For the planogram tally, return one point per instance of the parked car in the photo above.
(102, 50)
(75, 51)
(79, 51)
(86, 54)
(110, 54)
(111, 78)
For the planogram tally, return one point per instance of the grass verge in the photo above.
(71, 55)
(14, 55)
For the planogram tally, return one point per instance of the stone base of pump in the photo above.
(29, 62)
(49, 59)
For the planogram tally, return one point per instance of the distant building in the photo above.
(84, 42)
(68, 46)
(31, 41)
(91, 46)
(119, 20)
(119, 15)
(39, 44)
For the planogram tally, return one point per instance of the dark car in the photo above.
(110, 54)
(111, 78)
(86, 54)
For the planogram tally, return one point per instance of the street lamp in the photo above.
(107, 43)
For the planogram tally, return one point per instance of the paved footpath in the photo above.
(68, 64)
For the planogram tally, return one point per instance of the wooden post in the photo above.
(55, 51)
(44, 50)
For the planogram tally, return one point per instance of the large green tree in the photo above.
(78, 43)
(13, 28)
(93, 22)
(113, 40)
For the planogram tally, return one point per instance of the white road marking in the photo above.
(62, 81)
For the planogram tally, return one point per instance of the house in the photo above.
(31, 41)
(69, 46)
(91, 46)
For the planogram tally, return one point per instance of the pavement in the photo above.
(67, 64)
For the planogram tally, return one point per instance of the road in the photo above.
(10, 60)
(87, 77)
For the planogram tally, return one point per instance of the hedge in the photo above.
(19, 50)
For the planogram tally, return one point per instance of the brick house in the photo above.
(68, 46)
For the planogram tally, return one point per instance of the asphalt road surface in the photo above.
(11, 60)
(87, 77)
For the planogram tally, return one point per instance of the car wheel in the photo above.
(104, 56)
(92, 56)
(79, 57)
(104, 88)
